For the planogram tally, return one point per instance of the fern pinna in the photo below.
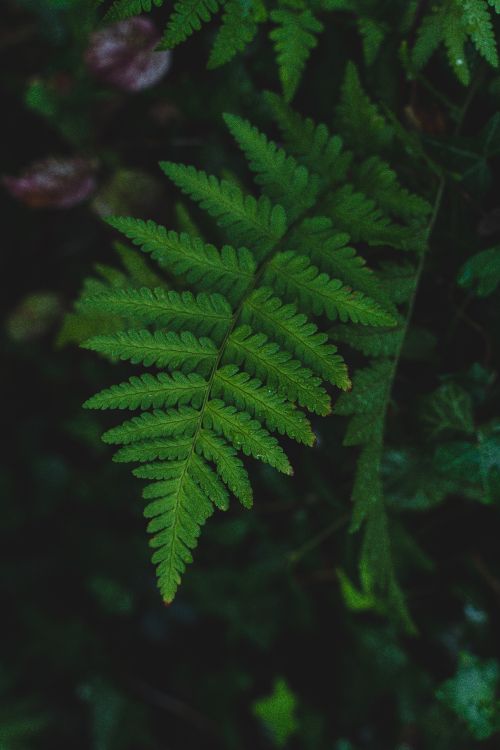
(238, 354)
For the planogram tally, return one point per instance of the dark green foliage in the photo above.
(319, 292)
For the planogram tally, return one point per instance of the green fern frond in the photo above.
(165, 449)
(372, 34)
(241, 359)
(429, 37)
(477, 20)
(312, 144)
(265, 359)
(363, 209)
(209, 482)
(247, 221)
(372, 342)
(297, 277)
(453, 23)
(283, 180)
(175, 525)
(365, 404)
(229, 466)
(295, 332)
(245, 434)
(379, 181)
(205, 314)
(146, 391)
(249, 395)
(329, 250)
(238, 28)
(121, 9)
(294, 37)
(226, 271)
(377, 570)
(359, 120)
(170, 423)
(171, 349)
(359, 215)
(368, 393)
(188, 17)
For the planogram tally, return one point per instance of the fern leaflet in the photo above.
(187, 18)
(294, 37)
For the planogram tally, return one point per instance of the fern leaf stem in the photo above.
(423, 255)
(411, 304)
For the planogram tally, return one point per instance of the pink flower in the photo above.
(53, 183)
(123, 55)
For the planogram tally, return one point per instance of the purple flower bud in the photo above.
(123, 55)
(53, 183)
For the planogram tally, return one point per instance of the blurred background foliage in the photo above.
(271, 642)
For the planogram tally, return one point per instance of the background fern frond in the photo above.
(121, 9)
(188, 17)
(313, 144)
(294, 36)
(453, 23)
(238, 28)
(283, 180)
(361, 124)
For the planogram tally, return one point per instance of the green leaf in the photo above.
(208, 314)
(226, 271)
(297, 277)
(188, 17)
(121, 9)
(449, 408)
(481, 273)
(471, 694)
(294, 37)
(255, 223)
(238, 28)
(277, 713)
(148, 391)
(245, 434)
(173, 350)
(360, 121)
(282, 179)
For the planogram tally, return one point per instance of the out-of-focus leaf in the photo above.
(355, 599)
(449, 408)
(481, 273)
(472, 694)
(475, 466)
(277, 712)
(33, 317)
